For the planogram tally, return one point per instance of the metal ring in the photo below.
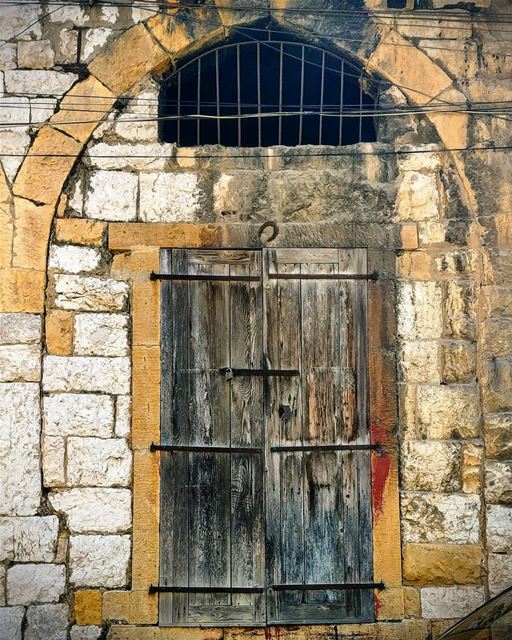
(269, 224)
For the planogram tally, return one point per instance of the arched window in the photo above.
(266, 88)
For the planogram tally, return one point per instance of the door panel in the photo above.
(273, 517)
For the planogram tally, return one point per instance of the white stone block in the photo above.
(499, 528)
(441, 518)
(13, 147)
(7, 55)
(123, 417)
(35, 583)
(88, 632)
(76, 197)
(500, 572)
(109, 14)
(39, 82)
(36, 54)
(169, 197)
(73, 14)
(449, 411)
(19, 18)
(16, 328)
(92, 42)
(418, 197)
(143, 107)
(419, 310)
(101, 334)
(99, 561)
(20, 363)
(128, 156)
(81, 373)
(67, 47)
(74, 259)
(20, 475)
(47, 622)
(11, 620)
(95, 510)
(53, 453)
(12, 111)
(82, 293)
(498, 482)
(450, 602)
(97, 462)
(442, 459)
(31, 539)
(78, 414)
(112, 195)
(420, 362)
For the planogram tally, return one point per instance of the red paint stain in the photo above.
(381, 465)
(377, 606)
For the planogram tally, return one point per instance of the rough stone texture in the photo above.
(500, 572)
(11, 619)
(31, 539)
(496, 385)
(36, 54)
(460, 310)
(82, 293)
(94, 510)
(71, 414)
(101, 334)
(449, 411)
(8, 56)
(472, 460)
(442, 564)
(18, 328)
(450, 602)
(53, 452)
(59, 332)
(498, 482)
(459, 362)
(99, 561)
(53, 83)
(234, 193)
(20, 23)
(77, 231)
(73, 259)
(499, 528)
(419, 362)
(144, 106)
(88, 604)
(418, 310)
(20, 476)
(107, 375)
(112, 195)
(123, 417)
(93, 41)
(418, 197)
(35, 583)
(2, 586)
(169, 197)
(47, 622)
(88, 632)
(13, 144)
(498, 436)
(431, 466)
(97, 462)
(12, 111)
(440, 518)
(129, 156)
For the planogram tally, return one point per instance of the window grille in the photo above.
(258, 93)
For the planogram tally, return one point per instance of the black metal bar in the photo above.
(328, 587)
(203, 277)
(327, 447)
(203, 449)
(161, 589)
(228, 371)
(323, 276)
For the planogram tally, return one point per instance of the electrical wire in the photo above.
(262, 156)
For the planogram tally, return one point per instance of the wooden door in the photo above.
(265, 513)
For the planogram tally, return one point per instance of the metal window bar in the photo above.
(202, 277)
(284, 51)
(274, 587)
(203, 449)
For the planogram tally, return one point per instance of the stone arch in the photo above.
(150, 48)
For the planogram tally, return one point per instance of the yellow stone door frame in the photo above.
(136, 248)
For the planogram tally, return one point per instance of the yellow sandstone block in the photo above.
(87, 606)
(130, 57)
(86, 103)
(46, 166)
(441, 564)
(146, 396)
(22, 290)
(80, 231)
(132, 607)
(146, 313)
(32, 225)
(59, 332)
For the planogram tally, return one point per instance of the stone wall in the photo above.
(65, 369)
